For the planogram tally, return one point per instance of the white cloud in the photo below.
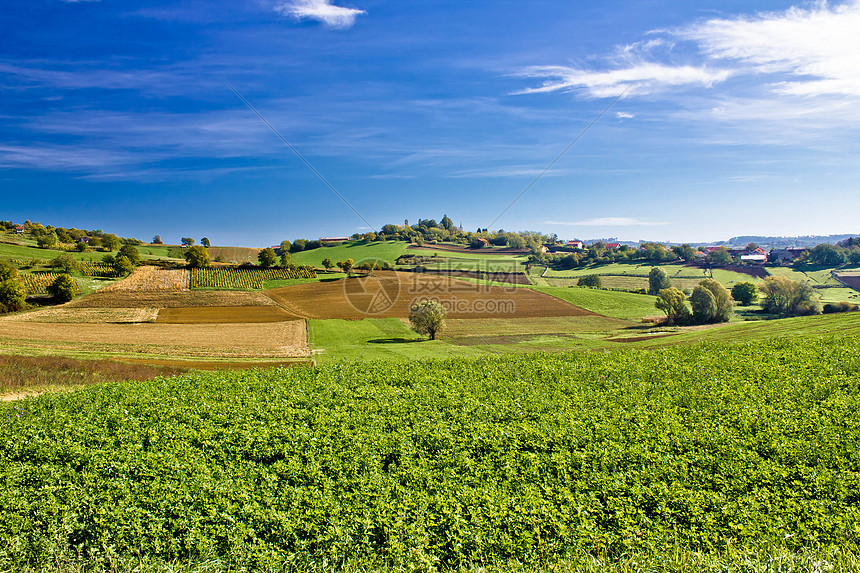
(606, 222)
(320, 10)
(624, 115)
(642, 78)
(797, 53)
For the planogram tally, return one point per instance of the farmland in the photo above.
(357, 251)
(244, 279)
(684, 457)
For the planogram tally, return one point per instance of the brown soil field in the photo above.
(152, 279)
(510, 278)
(197, 365)
(849, 279)
(167, 299)
(255, 340)
(391, 294)
(224, 314)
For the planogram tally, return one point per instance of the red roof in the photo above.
(613, 245)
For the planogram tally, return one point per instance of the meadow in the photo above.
(359, 252)
(717, 457)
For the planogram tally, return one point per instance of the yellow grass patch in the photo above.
(224, 314)
(167, 299)
(153, 279)
(63, 314)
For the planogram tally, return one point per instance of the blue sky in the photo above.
(734, 120)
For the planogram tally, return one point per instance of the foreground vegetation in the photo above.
(679, 455)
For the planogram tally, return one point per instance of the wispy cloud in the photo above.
(607, 222)
(322, 11)
(792, 55)
(624, 115)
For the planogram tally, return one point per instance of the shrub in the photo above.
(122, 265)
(63, 288)
(786, 297)
(745, 293)
(831, 308)
(12, 295)
(64, 262)
(592, 281)
(131, 253)
(197, 257)
(673, 302)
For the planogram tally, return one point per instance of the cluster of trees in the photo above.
(49, 237)
(711, 302)
(827, 255)
(124, 262)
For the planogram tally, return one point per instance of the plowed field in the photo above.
(392, 294)
(223, 314)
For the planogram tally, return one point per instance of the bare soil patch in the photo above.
(198, 365)
(501, 277)
(167, 299)
(224, 314)
(250, 340)
(390, 294)
(850, 280)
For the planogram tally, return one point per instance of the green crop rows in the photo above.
(703, 449)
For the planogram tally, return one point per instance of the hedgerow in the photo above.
(638, 456)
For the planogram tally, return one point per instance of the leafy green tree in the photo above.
(711, 302)
(64, 262)
(13, 297)
(720, 257)
(327, 263)
(685, 252)
(446, 223)
(298, 245)
(80, 246)
(786, 297)
(286, 258)
(592, 281)
(156, 240)
(428, 318)
(188, 241)
(63, 289)
(658, 280)
(745, 293)
(346, 266)
(267, 257)
(47, 241)
(108, 259)
(110, 241)
(285, 246)
(123, 265)
(673, 302)
(131, 253)
(206, 242)
(7, 271)
(826, 255)
(197, 257)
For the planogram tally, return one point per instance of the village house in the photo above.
(574, 244)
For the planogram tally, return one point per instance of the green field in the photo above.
(471, 261)
(623, 305)
(712, 457)
(357, 251)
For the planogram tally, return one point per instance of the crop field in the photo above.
(391, 294)
(64, 314)
(152, 279)
(169, 299)
(224, 314)
(199, 340)
(720, 457)
(38, 283)
(244, 279)
(91, 269)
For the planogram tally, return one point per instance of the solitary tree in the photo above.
(658, 280)
(197, 257)
(745, 293)
(64, 262)
(286, 258)
(285, 246)
(188, 241)
(131, 253)
(267, 257)
(123, 265)
(327, 263)
(673, 302)
(156, 240)
(786, 297)
(592, 281)
(427, 318)
(63, 289)
(206, 242)
(711, 302)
